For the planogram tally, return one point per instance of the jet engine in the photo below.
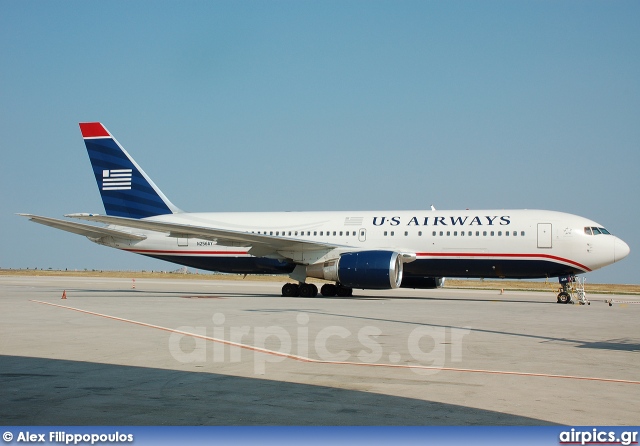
(373, 270)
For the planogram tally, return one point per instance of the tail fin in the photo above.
(125, 189)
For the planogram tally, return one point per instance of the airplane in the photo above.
(349, 249)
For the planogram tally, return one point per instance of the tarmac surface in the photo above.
(189, 352)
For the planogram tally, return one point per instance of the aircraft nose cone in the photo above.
(621, 250)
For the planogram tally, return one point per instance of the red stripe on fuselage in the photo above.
(508, 255)
(163, 251)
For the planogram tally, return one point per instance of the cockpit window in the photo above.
(595, 231)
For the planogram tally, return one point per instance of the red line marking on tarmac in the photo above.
(321, 361)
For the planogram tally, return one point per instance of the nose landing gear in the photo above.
(572, 286)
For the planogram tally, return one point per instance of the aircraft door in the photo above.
(362, 234)
(183, 240)
(544, 235)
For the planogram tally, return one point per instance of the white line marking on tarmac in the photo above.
(320, 361)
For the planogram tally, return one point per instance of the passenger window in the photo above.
(499, 233)
(448, 233)
(507, 233)
(477, 233)
(522, 233)
(462, 233)
(406, 233)
(385, 233)
(441, 233)
(419, 233)
(484, 233)
(340, 233)
(434, 233)
(392, 233)
(455, 233)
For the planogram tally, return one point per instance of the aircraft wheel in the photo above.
(328, 290)
(290, 290)
(307, 290)
(564, 298)
(344, 291)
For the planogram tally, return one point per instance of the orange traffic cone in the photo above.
(64, 294)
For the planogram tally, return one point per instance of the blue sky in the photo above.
(326, 105)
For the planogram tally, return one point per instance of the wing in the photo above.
(261, 244)
(82, 229)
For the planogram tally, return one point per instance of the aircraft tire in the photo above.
(328, 290)
(344, 291)
(564, 298)
(290, 290)
(308, 290)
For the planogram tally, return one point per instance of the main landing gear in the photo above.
(310, 290)
(330, 290)
(302, 290)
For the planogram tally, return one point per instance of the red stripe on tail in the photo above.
(93, 130)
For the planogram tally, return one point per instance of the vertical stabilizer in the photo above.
(125, 188)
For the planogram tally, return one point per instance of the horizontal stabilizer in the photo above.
(82, 229)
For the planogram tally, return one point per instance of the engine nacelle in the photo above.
(422, 283)
(373, 270)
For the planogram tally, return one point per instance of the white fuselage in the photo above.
(466, 243)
